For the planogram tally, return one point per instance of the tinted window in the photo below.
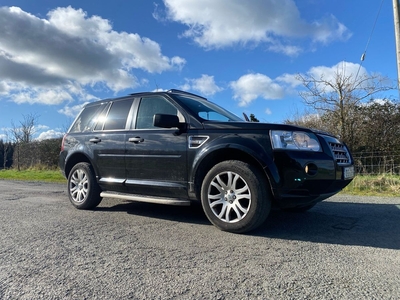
(212, 115)
(207, 110)
(119, 111)
(87, 118)
(149, 107)
(101, 118)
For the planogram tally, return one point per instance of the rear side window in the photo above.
(87, 118)
(118, 114)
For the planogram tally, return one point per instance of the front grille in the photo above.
(340, 153)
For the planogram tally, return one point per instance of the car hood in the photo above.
(256, 126)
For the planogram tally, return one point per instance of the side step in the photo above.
(148, 199)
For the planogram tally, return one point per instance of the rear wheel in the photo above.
(235, 197)
(83, 190)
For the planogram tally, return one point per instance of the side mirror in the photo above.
(166, 121)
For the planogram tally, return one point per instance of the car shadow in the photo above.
(358, 224)
(186, 214)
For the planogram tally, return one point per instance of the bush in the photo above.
(38, 153)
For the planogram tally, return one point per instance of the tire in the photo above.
(83, 190)
(235, 196)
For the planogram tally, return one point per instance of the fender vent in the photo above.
(196, 141)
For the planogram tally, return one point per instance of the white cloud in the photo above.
(292, 84)
(268, 111)
(378, 101)
(21, 93)
(41, 127)
(49, 134)
(50, 97)
(223, 23)
(4, 88)
(289, 79)
(72, 111)
(252, 86)
(343, 67)
(41, 56)
(205, 85)
(285, 49)
(329, 29)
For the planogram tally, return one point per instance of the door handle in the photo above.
(95, 140)
(136, 139)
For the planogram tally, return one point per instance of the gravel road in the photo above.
(344, 248)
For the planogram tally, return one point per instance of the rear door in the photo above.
(156, 158)
(108, 144)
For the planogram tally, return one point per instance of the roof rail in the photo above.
(183, 92)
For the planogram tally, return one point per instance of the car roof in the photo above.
(171, 91)
(140, 94)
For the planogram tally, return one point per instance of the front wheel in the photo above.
(83, 190)
(235, 196)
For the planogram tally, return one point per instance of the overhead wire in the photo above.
(369, 39)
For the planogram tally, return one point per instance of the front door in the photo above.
(156, 158)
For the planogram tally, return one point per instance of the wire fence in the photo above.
(377, 163)
(378, 173)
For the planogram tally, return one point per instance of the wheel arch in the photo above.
(214, 155)
(75, 158)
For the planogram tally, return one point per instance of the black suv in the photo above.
(175, 147)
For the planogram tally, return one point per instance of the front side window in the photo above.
(149, 106)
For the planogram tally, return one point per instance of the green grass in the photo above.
(374, 185)
(35, 174)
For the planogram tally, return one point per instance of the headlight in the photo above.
(294, 140)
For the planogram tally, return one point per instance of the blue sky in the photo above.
(55, 56)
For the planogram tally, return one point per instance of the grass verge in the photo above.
(33, 175)
(374, 185)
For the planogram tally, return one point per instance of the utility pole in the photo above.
(396, 14)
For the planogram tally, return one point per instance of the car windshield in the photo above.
(207, 110)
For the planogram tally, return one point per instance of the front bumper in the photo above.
(307, 178)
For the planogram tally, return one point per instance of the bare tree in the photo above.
(340, 95)
(23, 134)
(308, 119)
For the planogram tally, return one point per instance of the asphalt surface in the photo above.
(344, 248)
